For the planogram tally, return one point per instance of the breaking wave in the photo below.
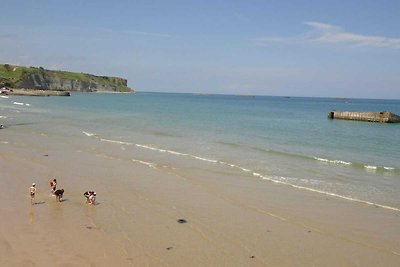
(21, 104)
(333, 161)
(273, 179)
(357, 165)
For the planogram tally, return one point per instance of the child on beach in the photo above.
(32, 191)
(90, 197)
(53, 184)
(87, 195)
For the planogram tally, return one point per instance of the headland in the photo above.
(38, 78)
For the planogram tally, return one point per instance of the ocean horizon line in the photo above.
(249, 95)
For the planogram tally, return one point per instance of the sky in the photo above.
(285, 48)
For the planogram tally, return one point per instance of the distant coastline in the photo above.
(34, 92)
(38, 78)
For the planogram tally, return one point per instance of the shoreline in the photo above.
(36, 92)
(232, 218)
(39, 92)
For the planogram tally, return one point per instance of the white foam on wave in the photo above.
(204, 159)
(176, 153)
(4, 96)
(21, 104)
(274, 179)
(89, 134)
(150, 147)
(3, 117)
(116, 142)
(146, 163)
(369, 167)
(277, 181)
(234, 166)
(163, 150)
(389, 168)
(333, 161)
(231, 165)
(228, 164)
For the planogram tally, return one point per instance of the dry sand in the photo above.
(232, 219)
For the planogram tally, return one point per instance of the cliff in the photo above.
(42, 79)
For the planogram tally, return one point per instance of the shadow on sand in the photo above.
(39, 203)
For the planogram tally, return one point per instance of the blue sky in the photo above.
(297, 48)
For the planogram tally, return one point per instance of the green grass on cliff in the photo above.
(103, 80)
(11, 75)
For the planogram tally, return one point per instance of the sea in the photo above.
(288, 141)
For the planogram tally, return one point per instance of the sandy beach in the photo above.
(231, 219)
(214, 133)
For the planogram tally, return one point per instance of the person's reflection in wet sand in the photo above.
(31, 216)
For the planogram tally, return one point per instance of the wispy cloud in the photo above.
(323, 33)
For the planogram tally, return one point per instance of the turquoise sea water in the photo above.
(286, 140)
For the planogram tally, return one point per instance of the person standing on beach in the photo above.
(32, 191)
(87, 195)
(90, 197)
(53, 184)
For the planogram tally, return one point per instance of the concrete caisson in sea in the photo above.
(383, 116)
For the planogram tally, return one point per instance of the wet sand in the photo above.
(231, 219)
